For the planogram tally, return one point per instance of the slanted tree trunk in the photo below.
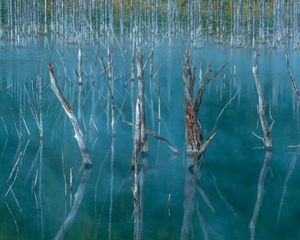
(69, 111)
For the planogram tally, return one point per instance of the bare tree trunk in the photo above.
(141, 93)
(111, 84)
(79, 66)
(140, 145)
(69, 111)
(195, 142)
(267, 139)
(122, 17)
(131, 19)
(292, 78)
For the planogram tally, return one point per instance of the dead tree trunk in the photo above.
(267, 139)
(291, 76)
(141, 93)
(69, 111)
(195, 142)
(140, 145)
(79, 67)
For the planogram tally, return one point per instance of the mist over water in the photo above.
(239, 191)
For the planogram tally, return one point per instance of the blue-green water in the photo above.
(36, 205)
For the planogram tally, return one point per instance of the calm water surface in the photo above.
(36, 204)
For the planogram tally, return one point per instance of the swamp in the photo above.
(149, 119)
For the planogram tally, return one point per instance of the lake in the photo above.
(44, 183)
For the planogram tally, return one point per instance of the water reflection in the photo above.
(111, 212)
(191, 206)
(260, 194)
(79, 194)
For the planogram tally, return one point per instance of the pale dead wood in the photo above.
(163, 139)
(140, 145)
(292, 78)
(69, 111)
(262, 107)
(79, 66)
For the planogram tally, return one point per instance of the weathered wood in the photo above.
(267, 139)
(69, 111)
(140, 145)
(195, 142)
(192, 125)
(292, 78)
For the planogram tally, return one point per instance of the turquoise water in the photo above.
(36, 205)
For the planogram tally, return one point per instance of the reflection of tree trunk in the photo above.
(76, 204)
(40, 196)
(285, 185)
(113, 143)
(190, 205)
(260, 194)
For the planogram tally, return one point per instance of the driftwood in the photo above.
(267, 138)
(69, 111)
